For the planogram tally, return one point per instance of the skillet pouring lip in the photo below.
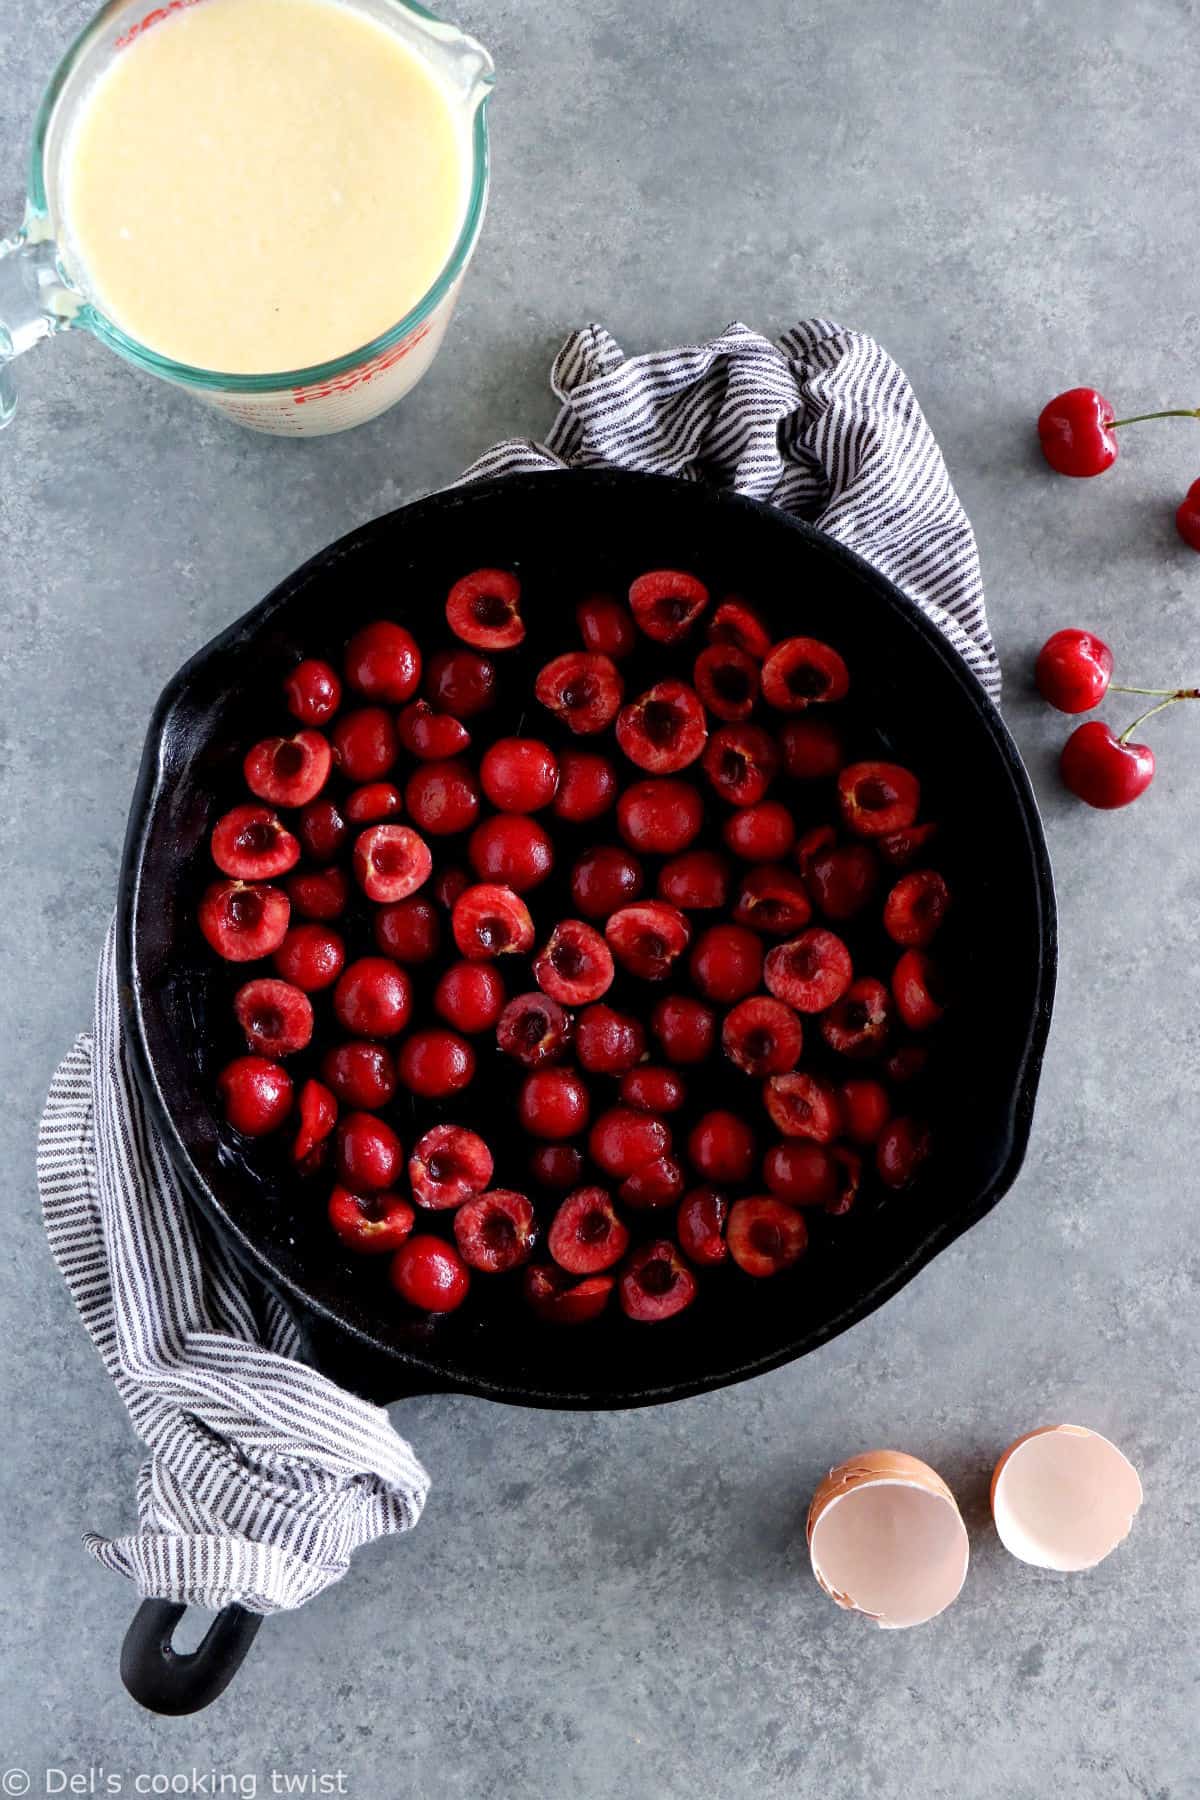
(586, 513)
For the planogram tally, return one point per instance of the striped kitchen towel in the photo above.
(263, 1476)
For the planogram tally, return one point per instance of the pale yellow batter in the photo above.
(260, 185)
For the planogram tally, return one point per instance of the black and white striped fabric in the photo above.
(823, 424)
(263, 1477)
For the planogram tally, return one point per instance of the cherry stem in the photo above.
(1117, 687)
(1174, 412)
(1179, 694)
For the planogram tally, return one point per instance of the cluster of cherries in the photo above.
(1077, 432)
(720, 957)
(1074, 672)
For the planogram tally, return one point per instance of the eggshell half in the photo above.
(1063, 1497)
(886, 1539)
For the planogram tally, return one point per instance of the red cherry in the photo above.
(429, 1273)
(361, 1075)
(435, 1063)
(364, 743)
(553, 1103)
(317, 1109)
(918, 991)
(878, 797)
(373, 998)
(276, 1017)
(741, 761)
(604, 879)
(857, 1024)
(449, 882)
(902, 1148)
(765, 1236)
(587, 786)
(802, 672)
(433, 736)
(812, 748)
(609, 1042)
(622, 1141)
(700, 1226)
(586, 1237)
(726, 680)
(369, 1154)
(656, 1283)
(557, 1300)
(491, 920)
(650, 1089)
(250, 844)
(370, 1224)
(899, 849)
(519, 775)
(408, 930)
(803, 1106)
(534, 1030)
(660, 815)
(762, 1037)
(310, 957)
(391, 862)
(842, 879)
(556, 1166)
(605, 626)
(257, 1095)
(809, 972)
(914, 910)
(319, 893)
(656, 1183)
(647, 938)
(801, 1172)
(685, 1027)
(1075, 434)
(667, 603)
(470, 996)
(1073, 670)
(582, 689)
(773, 901)
(511, 850)
(448, 1165)
(1102, 769)
(242, 923)
(664, 729)
(735, 622)
(865, 1109)
(314, 692)
(762, 833)
(288, 771)
(726, 963)
(375, 801)
(721, 1148)
(697, 881)
(575, 965)
(1187, 517)
(322, 829)
(461, 682)
(484, 609)
(443, 797)
(383, 663)
(495, 1232)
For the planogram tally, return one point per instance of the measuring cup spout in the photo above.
(34, 304)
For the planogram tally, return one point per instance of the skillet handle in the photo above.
(162, 1679)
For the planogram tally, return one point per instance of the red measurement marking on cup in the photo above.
(354, 378)
(152, 18)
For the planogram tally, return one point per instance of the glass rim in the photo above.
(91, 318)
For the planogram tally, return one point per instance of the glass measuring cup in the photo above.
(42, 293)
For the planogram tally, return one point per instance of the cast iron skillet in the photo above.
(912, 698)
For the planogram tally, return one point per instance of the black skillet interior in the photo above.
(912, 699)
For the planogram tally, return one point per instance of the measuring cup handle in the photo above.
(31, 305)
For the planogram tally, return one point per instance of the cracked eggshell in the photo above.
(886, 1539)
(1063, 1497)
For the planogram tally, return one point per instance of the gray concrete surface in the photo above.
(619, 1606)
